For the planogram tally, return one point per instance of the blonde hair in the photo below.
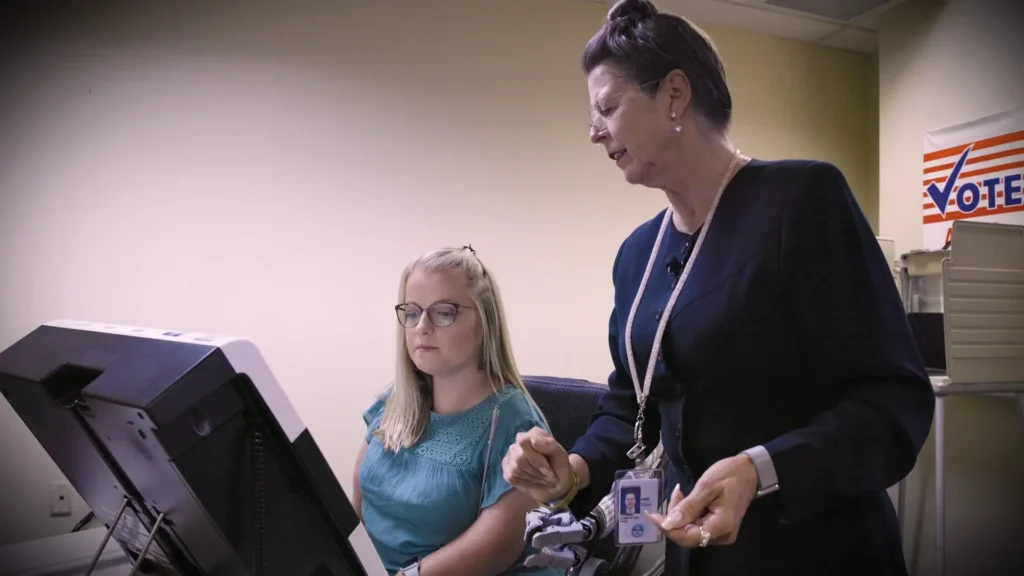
(407, 408)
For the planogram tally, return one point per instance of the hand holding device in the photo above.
(537, 464)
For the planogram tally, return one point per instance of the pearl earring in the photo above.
(678, 128)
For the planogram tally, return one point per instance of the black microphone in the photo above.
(674, 265)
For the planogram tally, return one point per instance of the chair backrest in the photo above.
(567, 403)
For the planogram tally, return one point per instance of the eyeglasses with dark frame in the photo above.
(440, 314)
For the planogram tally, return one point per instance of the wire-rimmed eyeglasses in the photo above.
(440, 314)
(598, 118)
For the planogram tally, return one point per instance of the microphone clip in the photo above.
(674, 266)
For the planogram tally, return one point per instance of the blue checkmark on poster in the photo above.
(941, 197)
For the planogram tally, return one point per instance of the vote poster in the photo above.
(973, 171)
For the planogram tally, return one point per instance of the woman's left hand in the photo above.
(718, 503)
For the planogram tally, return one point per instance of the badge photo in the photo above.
(636, 492)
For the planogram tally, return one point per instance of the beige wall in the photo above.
(268, 171)
(796, 100)
(943, 63)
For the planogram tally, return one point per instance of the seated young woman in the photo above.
(428, 481)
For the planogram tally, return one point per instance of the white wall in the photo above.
(943, 63)
(267, 172)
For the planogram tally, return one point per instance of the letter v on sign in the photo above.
(941, 197)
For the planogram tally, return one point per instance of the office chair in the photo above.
(568, 405)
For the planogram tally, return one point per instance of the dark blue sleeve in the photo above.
(857, 345)
(610, 434)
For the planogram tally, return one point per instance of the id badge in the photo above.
(637, 491)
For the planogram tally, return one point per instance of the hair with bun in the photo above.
(646, 44)
(638, 10)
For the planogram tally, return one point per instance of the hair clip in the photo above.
(470, 248)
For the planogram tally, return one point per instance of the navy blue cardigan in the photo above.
(789, 334)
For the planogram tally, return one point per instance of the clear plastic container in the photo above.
(922, 281)
(921, 274)
(924, 294)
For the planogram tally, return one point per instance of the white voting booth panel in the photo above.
(977, 285)
(983, 303)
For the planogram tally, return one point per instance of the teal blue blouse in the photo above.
(420, 499)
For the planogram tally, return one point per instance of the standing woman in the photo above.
(756, 330)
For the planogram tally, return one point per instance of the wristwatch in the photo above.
(767, 479)
(412, 569)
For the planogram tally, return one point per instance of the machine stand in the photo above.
(145, 548)
(110, 532)
(106, 537)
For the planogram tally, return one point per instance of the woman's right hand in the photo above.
(538, 465)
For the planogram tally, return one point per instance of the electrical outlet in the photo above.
(60, 499)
